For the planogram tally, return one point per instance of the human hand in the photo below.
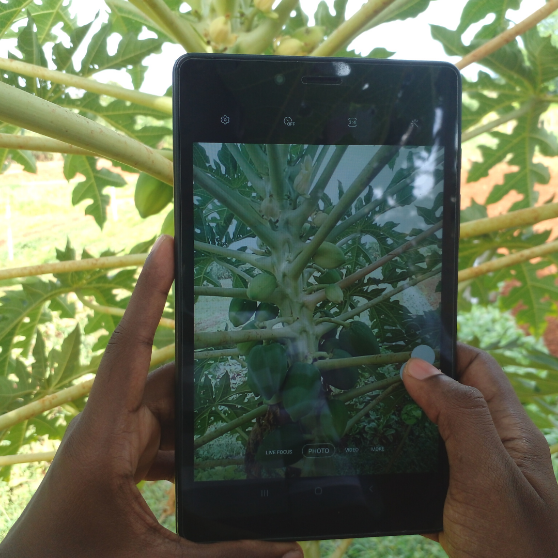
(88, 504)
(503, 497)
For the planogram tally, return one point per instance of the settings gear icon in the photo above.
(225, 119)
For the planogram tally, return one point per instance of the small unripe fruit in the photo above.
(329, 256)
(151, 195)
(289, 47)
(270, 209)
(241, 310)
(262, 286)
(319, 219)
(220, 31)
(311, 37)
(334, 293)
(302, 180)
(264, 5)
(168, 224)
(330, 276)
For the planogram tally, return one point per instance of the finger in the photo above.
(121, 377)
(162, 468)
(247, 549)
(463, 419)
(433, 537)
(158, 397)
(521, 438)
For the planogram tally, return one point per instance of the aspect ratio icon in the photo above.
(352, 123)
(225, 119)
(288, 121)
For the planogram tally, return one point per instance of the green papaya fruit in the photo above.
(168, 224)
(262, 286)
(246, 347)
(333, 419)
(281, 447)
(267, 368)
(329, 256)
(359, 340)
(334, 293)
(341, 378)
(329, 345)
(330, 276)
(151, 195)
(266, 312)
(301, 389)
(241, 310)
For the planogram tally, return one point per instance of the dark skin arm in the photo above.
(503, 497)
(88, 504)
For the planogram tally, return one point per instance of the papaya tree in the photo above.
(317, 275)
(51, 101)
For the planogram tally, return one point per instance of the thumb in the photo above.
(461, 413)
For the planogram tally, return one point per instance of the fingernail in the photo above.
(402, 369)
(294, 554)
(420, 369)
(158, 243)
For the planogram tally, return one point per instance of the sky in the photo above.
(410, 39)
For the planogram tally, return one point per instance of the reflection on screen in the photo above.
(317, 276)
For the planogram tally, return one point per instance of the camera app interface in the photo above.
(317, 276)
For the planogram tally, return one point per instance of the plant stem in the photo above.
(146, 10)
(119, 312)
(350, 29)
(6, 460)
(110, 262)
(382, 157)
(379, 360)
(258, 157)
(260, 38)
(217, 291)
(33, 113)
(214, 434)
(163, 104)
(257, 183)
(332, 321)
(202, 355)
(216, 338)
(512, 220)
(361, 273)
(11, 418)
(234, 270)
(363, 390)
(363, 412)
(277, 165)
(508, 36)
(237, 203)
(553, 449)
(513, 115)
(508, 261)
(179, 27)
(256, 261)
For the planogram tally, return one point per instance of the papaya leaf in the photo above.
(25, 159)
(66, 361)
(62, 55)
(49, 14)
(11, 13)
(39, 368)
(96, 180)
(476, 10)
(126, 19)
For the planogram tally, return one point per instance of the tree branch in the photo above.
(508, 36)
(33, 113)
(217, 338)
(316, 298)
(257, 183)
(237, 203)
(258, 157)
(363, 390)
(202, 355)
(119, 312)
(351, 28)
(110, 262)
(148, 13)
(11, 418)
(49, 145)
(382, 157)
(256, 261)
(179, 27)
(224, 292)
(163, 104)
(514, 219)
(507, 261)
(6, 460)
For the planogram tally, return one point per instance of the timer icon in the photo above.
(225, 119)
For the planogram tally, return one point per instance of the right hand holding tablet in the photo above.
(503, 496)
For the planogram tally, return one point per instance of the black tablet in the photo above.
(317, 226)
